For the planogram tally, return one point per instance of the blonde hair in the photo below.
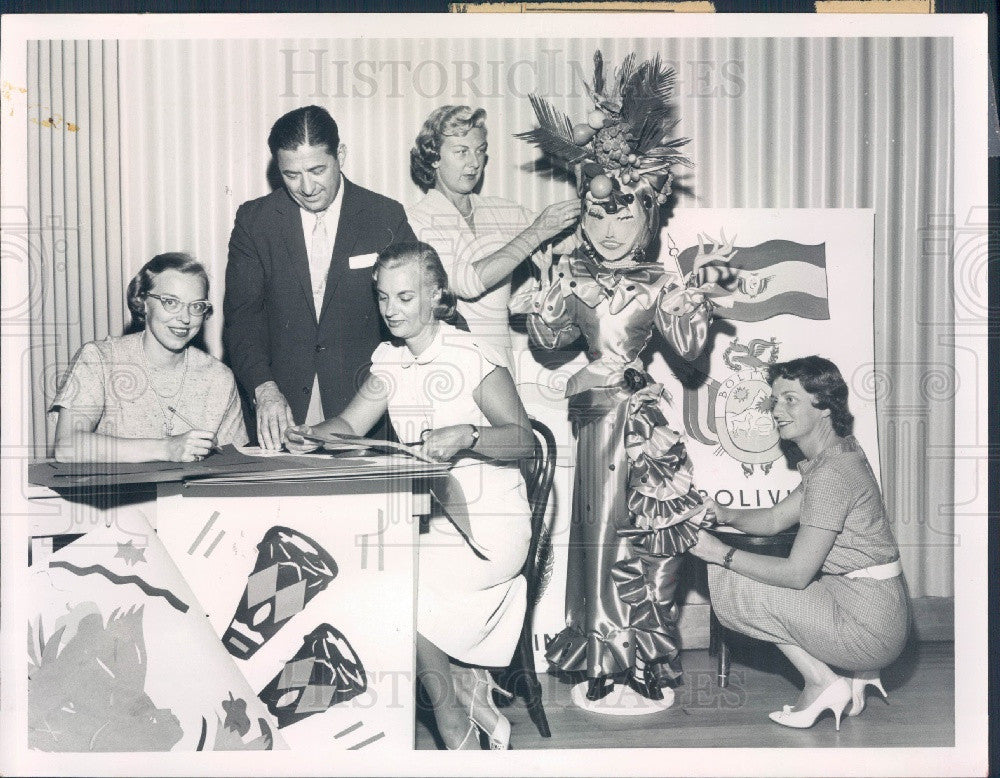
(448, 120)
(431, 270)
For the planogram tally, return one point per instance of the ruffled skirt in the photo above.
(635, 513)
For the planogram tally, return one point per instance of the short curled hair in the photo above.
(444, 121)
(141, 285)
(306, 126)
(431, 269)
(822, 379)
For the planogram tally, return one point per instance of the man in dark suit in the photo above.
(301, 320)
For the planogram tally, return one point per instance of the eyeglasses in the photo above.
(173, 305)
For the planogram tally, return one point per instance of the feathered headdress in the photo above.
(626, 137)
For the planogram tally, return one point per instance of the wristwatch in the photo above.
(475, 436)
(727, 560)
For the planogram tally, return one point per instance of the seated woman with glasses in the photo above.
(149, 396)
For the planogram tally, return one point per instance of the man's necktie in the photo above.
(319, 261)
(319, 266)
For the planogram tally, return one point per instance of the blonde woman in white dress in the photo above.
(454, 394)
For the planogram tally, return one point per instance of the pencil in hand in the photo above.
(215, 449)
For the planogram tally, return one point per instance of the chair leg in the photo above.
(723, 664)
(714, 629)
(535, 708)
(525, 660)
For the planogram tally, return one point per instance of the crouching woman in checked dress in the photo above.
(839, 599)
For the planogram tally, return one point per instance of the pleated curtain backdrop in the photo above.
(775, 123)
(77, 269)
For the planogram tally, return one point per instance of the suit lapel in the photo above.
(291, 228)
(348, 232)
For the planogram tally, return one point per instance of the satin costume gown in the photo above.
(633, 495)
(471, 596)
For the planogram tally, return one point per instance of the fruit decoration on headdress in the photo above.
(626, 137)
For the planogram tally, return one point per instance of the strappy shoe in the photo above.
(500, 735)
(859, 685)
(461, 746)
(835, 697)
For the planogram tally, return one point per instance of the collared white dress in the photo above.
(496, 222)
(470, 602)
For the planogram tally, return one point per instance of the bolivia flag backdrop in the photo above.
(775, 277)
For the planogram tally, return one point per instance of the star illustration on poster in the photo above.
(130, 553)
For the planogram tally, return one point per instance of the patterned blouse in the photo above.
(110, 382)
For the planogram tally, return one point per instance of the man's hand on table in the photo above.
(273, 415)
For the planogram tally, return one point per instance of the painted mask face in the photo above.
(463, 158)
(616, 235)
(406, 300)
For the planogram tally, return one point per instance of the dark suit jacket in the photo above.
(270, 329)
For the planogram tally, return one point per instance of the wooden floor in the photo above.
(920, 710)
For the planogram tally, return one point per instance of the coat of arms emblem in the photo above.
(743, 405)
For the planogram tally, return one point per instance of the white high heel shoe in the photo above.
(859, 685)
(835, 697)
(472, 728)
(500, 734)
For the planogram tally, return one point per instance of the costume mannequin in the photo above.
(635, 507)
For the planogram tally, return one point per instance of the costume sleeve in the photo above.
(245, 327)
(826, 499)
(552, 334)
(549, 308)
(83, 389)
(232, 429)
(683, 314)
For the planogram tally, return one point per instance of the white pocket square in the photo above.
(362, 260)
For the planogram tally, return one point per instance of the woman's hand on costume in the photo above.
(189, 446)
(442, 444)
(555, 219)
(567, 245)
(294, 441)
(721, 515)
(709, 548)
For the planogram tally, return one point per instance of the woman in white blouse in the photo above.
(480, 240)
